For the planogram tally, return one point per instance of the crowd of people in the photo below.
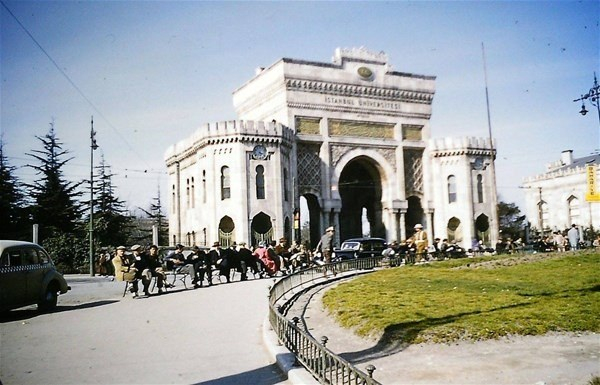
(270, 259)
(140, 264)
(568, 239)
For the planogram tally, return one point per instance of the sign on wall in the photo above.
(593, 194)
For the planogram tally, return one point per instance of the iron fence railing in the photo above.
(322, 363)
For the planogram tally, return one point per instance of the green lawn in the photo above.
(473, 298)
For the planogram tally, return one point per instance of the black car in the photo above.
(360, 248)
(28, 276)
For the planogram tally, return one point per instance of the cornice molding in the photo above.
(364, 91)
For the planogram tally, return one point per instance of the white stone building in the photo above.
(349, 136)
(557, 199)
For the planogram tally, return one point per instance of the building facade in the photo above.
(350, 137)
(560, 197)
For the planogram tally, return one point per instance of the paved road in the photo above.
(203, 336)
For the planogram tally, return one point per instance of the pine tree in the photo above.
(12, 202)
(112, 224)
(158, 219)
(55, 206)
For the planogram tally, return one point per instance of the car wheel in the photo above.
(50, 299)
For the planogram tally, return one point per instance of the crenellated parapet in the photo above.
(563, 172)
(359, 54)
(230, 131)
(439, 147)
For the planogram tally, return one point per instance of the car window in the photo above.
(4, 261)
(30, 256)
(13, 257)
(43, 257)
(349, 245)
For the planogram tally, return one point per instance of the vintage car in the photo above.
(28, 276)
(360, 248)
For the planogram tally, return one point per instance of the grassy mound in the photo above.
(473, 298)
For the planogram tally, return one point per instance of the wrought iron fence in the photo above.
(322, 363)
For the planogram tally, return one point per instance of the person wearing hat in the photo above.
(283, 251)
(325, 246)
(181, 265)
(247, 260)
(156, 269)
(220, 259)
(125, 270)
(202, 266)
(140, 259)
(234, 262)
(420, 240)
(262, 256)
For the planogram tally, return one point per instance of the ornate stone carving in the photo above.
(370, 94)
(389, 154)
(309, 166)
(412, 132)
(337, 152)
(360, 129)
(413, 171)
(309, 126)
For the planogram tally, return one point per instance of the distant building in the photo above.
(351, 136)
(556, 199)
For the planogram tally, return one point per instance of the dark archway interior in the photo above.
(482, 223)
(261, 224)
(360, 187)
(482, 227)
(414, 215)
(226, 224)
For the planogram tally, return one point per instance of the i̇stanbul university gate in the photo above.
(350, 136)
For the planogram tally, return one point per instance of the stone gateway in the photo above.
(350, 137)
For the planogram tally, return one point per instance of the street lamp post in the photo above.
(593, 96)
(93, 146)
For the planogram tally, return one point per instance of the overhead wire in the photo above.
(79, 91)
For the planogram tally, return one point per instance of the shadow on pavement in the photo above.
(267, 375)
(31, 312)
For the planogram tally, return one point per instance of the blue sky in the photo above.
(155, 71)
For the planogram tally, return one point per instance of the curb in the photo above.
(284, 358)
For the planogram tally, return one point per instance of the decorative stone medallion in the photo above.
(365, 73)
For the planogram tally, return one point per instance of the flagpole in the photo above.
(494, 212)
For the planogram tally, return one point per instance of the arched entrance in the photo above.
(414, 214)
(310, 230)
(226, 231)
(360, 188)
(482, 228)
(261, 229)
(454, 230)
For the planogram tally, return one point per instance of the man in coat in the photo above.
(326, 248)
(125, 270)
(219, 259)
(573, 235)
(420, 240)
(142, 266)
